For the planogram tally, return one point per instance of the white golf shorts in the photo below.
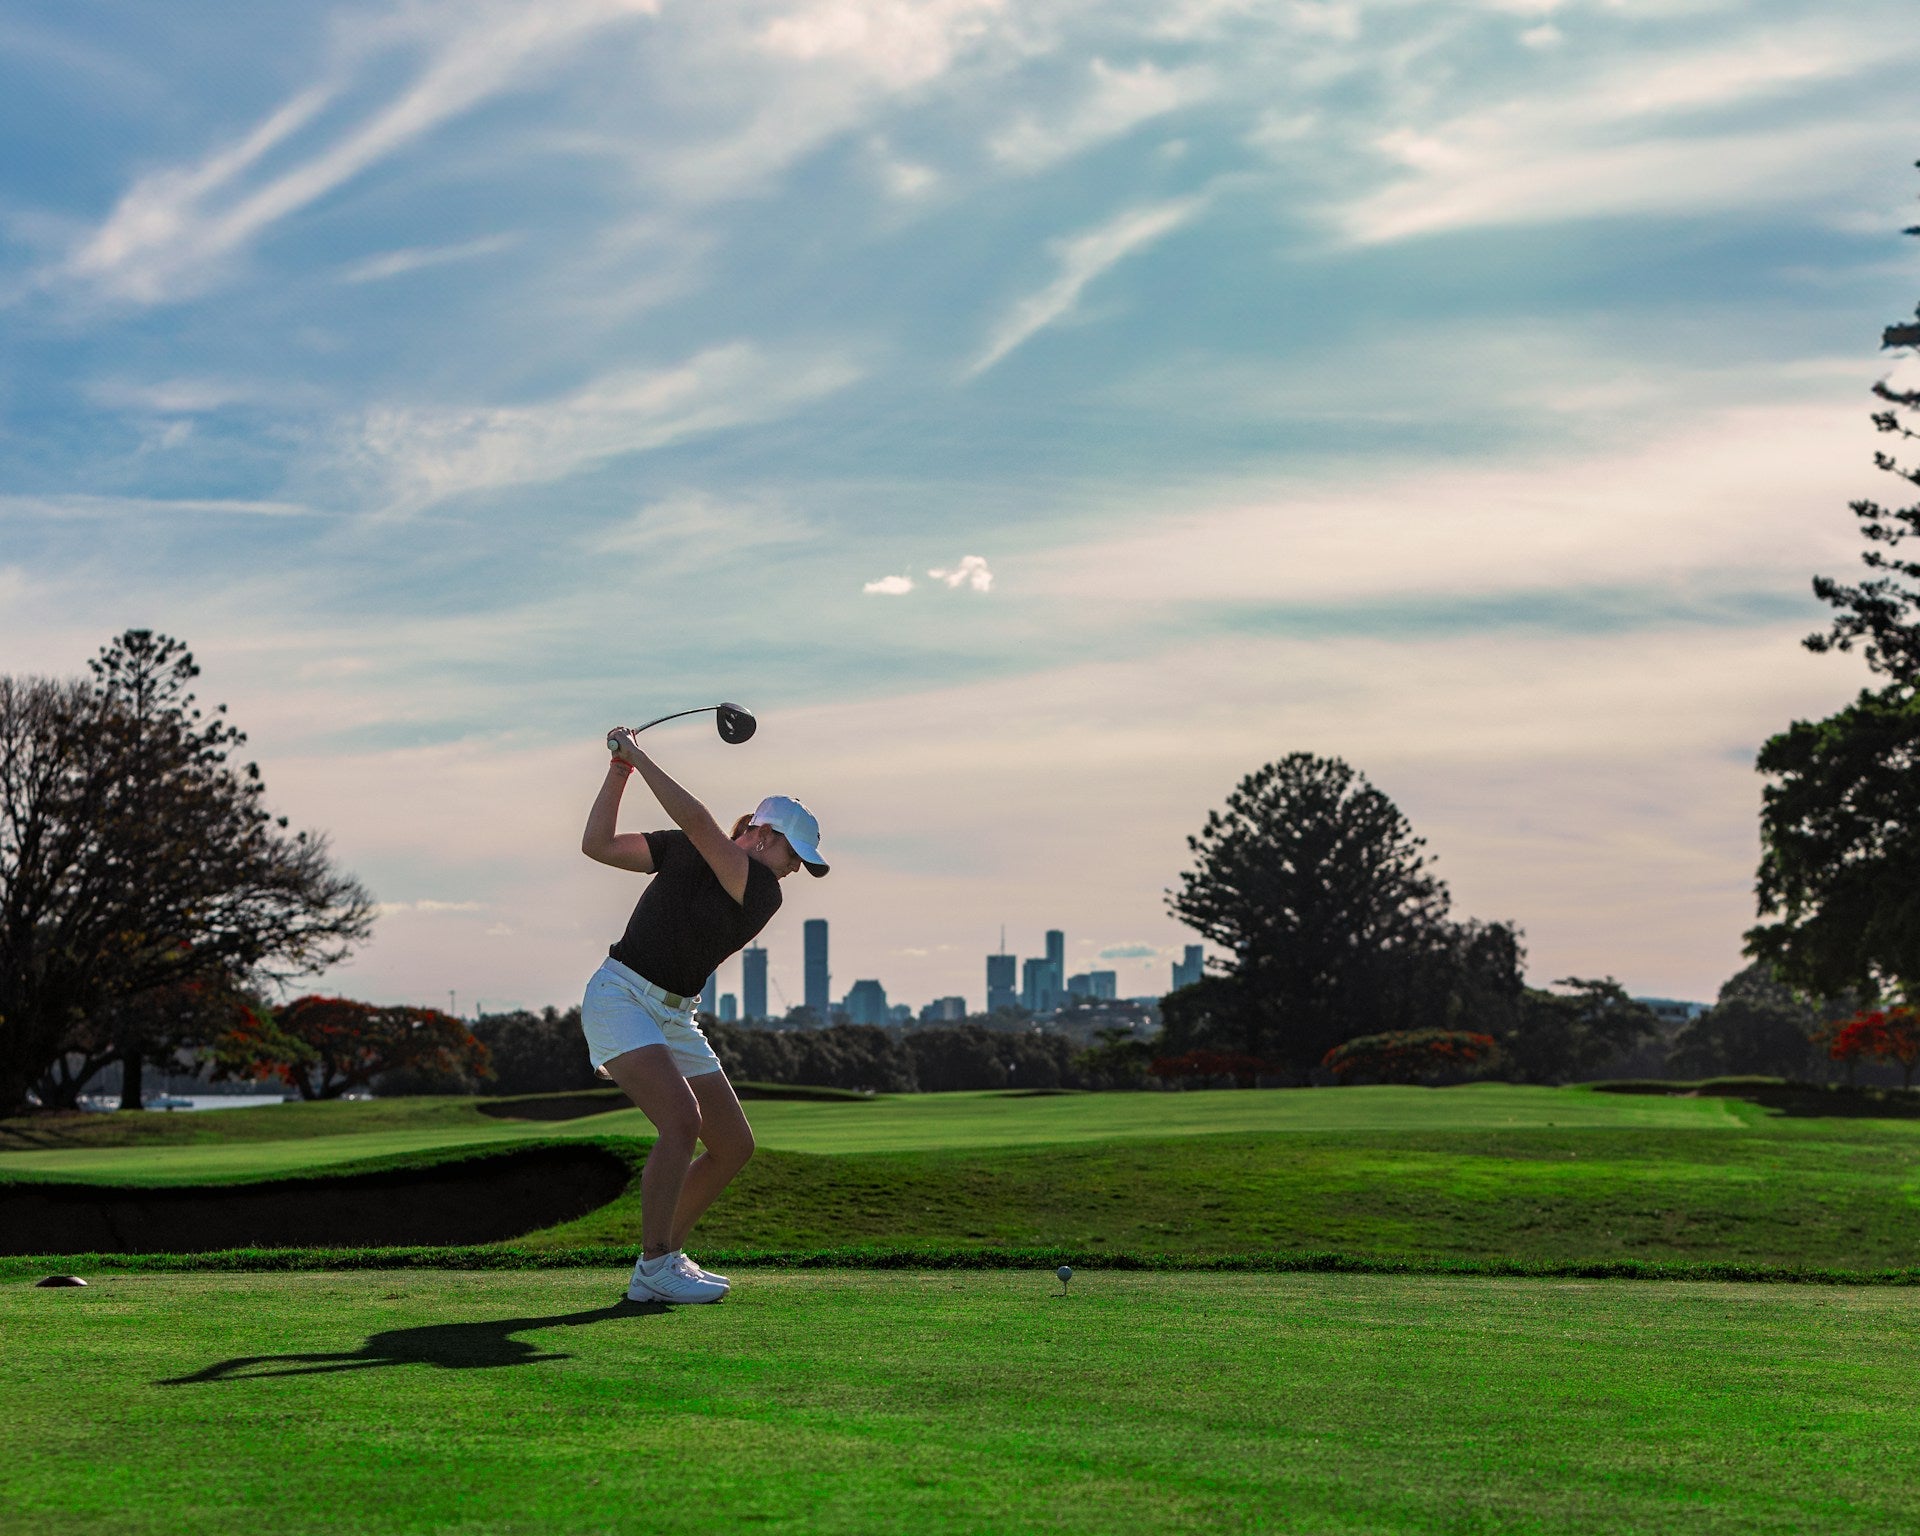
(623, 1011)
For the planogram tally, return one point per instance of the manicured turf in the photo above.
(1598, 1178)
(281, 1139)
(955, 1402)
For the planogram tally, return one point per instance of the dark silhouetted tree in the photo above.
(137, 863)
(1840, 830)
(1881, 614)
(1564, 1037)
(1840, 851)
(1315, 883)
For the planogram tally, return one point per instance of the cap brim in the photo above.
(809, 856)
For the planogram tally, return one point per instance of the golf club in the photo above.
(735, 724)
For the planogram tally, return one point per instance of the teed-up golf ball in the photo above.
(1065, 1272)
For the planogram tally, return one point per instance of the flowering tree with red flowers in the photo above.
(1886, 1034)
(1205, 1067)
(1409, 1056)
(322, 1046)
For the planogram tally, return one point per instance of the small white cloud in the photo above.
(890, 586)
(970, 572)
(1542, 37)
(499, 931)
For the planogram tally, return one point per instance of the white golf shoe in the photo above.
(676, 1279)
(704, 1273)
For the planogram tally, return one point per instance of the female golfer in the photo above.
(711, 893)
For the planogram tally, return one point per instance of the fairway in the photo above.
(257, 1143)
(828, 1401)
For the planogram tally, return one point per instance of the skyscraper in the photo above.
(729, 1009)
(1057, 958)
(1002, 990)
(710, 994)
(819, 979)
(866, 1003)
(1038, 994)
(753, 982)
(1187, 972)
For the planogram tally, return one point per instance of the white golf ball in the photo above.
(1065, 1272)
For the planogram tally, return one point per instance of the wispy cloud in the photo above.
(105, 507)
(416, 258)
(1119, 101)
(174, 230)
(1678, 132)
(890, 586)
(426, 454)
(428, 904)
(1082, 258)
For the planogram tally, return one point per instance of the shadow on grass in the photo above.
(453, 1346)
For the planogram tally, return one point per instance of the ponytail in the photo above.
(740, 826)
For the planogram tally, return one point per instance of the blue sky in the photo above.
(1040, 414)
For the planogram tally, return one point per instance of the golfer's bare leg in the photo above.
(649, 1077)
(729, 1142)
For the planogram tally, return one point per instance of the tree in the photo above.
(1840, 832)
(1564, 1037)
(137, 862)
(323, 1046)
(1757, 1025)
(1316, 884)
(1840, 851)
(1881, 614)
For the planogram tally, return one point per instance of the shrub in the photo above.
(1411, 1056)
(1885, 1034)
(1207, 1067)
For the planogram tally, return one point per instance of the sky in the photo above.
(1040, 414)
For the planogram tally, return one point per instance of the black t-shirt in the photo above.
(685, 923)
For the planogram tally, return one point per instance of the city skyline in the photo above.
(754, 997)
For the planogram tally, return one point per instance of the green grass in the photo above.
(1481, 1175)
(280, 1139)
(825, 1401)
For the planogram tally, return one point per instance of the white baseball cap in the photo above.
(798, 825)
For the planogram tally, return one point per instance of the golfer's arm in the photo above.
(623, 850)
(726, 858)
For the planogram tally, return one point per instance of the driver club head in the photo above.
(735, 724)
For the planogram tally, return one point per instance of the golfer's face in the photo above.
(780, 857)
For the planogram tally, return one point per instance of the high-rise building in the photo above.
(1094, 986)
(945, 1010)
(1057, 960)
(819, 979)
(1189, 971)
(710, 994)
(1038, 990)
(1002, 988)
(753, 983)
(866, 1003)
(729, 1009)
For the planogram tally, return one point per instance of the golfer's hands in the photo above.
(625, 750)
